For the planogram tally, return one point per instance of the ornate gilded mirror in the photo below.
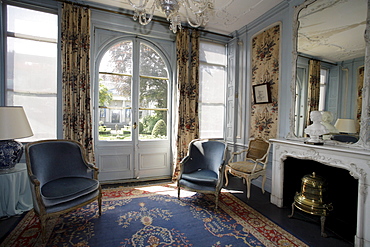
(329, 43)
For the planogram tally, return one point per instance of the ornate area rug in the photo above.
(153, 216)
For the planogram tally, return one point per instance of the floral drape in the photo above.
(313, 94)
(77, 120)
(187, 45)
(360, 85)
(265, 69)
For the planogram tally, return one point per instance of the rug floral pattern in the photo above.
(265, 69)
(153, 216)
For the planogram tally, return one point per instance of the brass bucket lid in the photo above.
(313, 180)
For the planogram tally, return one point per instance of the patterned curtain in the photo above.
(360, 85)
(313, 94)
(187, 45)
(265, 69)
(77, 120)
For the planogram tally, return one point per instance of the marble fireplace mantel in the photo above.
(356, 161)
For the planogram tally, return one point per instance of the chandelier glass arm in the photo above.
(197, 8)
(201, 6)
(142, 6)
(200, 14)
(144, 16)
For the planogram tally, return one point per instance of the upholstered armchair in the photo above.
(203, 168)
(252, 166)
(61, 179)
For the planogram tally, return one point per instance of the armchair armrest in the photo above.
(34, 180)
(185, 159)
(233, 154)
(256, 162)
(92, 166)
(94, 169)
(188, 164)
(221, 174)
(36, 191)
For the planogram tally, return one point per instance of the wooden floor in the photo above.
(303, 226)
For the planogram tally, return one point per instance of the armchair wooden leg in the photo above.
(226, 177)
(263, 183)
(178, 192)
(216, 200)
(99, 203)
(43, 219)
(248, 181)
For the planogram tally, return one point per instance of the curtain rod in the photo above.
(125, 14)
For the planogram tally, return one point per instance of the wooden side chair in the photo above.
(253, 165)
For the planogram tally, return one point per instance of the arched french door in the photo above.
(133, 116)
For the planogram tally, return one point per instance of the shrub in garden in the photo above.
(160, 128)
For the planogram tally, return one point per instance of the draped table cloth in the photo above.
(15, 192)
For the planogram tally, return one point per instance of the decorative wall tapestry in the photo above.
(265, 69)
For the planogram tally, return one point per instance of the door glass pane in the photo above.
(115, 81)
(153, 95)
(152, 124)
(151, 63)
(118, 59)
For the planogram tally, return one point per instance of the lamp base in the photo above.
(10, 153)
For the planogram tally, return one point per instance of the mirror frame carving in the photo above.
(364, 135)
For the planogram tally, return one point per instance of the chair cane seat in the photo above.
(245, 166)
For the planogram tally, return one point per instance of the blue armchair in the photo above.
(202, 170)
(61, 179)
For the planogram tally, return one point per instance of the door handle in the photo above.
(135, 126)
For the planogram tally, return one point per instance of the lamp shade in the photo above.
(13, 123)
(345, 125)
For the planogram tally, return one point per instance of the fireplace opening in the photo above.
(341, 191)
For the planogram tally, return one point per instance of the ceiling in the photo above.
(333, 30)
(228, 16)
(330, 30)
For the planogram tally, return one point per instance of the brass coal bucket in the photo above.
(311, 198)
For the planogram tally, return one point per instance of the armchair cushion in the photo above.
(66, 189)
(245, 166)
(201, 177)
(197, 186)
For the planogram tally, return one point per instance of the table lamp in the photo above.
(13, 125)
(347, 126)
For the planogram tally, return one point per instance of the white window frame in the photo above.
(222, 64)
(49, 9)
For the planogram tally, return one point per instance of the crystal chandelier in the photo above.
(196, 11)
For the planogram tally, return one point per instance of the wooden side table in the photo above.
(15, 192)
